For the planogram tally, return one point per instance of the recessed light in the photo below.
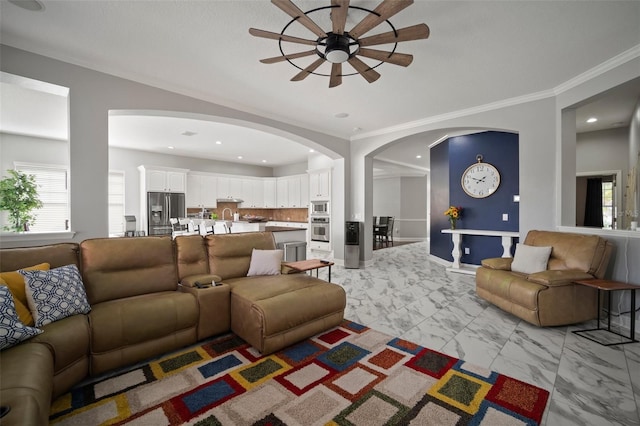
(341, 115)
(418, 156)
(170, 147)
(188, 133)
(264, 161)
(311, 150)
(592, 120)
(239, 157)
(218, 143)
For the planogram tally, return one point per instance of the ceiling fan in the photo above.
(338, 46)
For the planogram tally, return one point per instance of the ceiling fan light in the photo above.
(336, 56)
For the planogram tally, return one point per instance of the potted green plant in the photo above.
(19, 197)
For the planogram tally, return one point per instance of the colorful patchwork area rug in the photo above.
(350, 375)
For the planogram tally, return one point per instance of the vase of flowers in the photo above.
(454, 214)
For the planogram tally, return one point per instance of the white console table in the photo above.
(456, 237)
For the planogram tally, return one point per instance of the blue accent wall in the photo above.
(497, 148)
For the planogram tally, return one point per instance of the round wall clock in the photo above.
(480, 179)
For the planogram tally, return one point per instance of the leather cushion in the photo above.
(191, 256)
(115, 268)
(230, 254)
(130, 321)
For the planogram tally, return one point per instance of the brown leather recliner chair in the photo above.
(550, 297)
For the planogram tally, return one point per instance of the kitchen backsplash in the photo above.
(281, 215)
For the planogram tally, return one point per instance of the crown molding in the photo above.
(460, 113)
(596, 71)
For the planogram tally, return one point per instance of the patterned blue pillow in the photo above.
(12, 331)
(55, 294)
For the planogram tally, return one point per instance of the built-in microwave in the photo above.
(319, 207)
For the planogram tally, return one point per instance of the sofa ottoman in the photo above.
(272, 312)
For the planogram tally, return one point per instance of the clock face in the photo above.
(480, 180)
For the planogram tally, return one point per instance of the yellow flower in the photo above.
(453, 212)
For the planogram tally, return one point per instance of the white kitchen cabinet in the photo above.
(304, 191)
(269, 192)
(247, 194)
(257, 193)
(194, 188)
(229, 187)
(282, 192)
(252, 193)
(158, 179)
(293, 191)
(320, 185)
(209, 191)
(202, 190)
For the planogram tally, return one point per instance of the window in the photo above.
(53, 190)
(608, 213)
(116, 203)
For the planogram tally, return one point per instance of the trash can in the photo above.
(293, 250)
(129, 226)
(352, 245)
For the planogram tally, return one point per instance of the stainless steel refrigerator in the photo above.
(163, 206)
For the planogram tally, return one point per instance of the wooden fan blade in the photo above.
(339, 15)
(294, 11)
(369, 74)
(385, 10)
(414, 32)
(285, 57)
(275, 36)
(308, 70)
(395, 58)
(336, 75)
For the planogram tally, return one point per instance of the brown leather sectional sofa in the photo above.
(548, 298)
(139, 310)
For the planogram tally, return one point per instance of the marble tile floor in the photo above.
(404, 294)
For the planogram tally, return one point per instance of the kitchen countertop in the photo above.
(282, 229)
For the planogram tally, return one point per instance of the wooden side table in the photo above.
(309, 265)
(608, 285)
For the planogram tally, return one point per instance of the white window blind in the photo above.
(53, 191)
(116, 203)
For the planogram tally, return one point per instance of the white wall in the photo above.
(91, 96)
(29, 149)
(413, 218)
(387, 197)
(603, 150)
(404, 198)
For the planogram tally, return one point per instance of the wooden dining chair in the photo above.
(380, 232)
(389, 232)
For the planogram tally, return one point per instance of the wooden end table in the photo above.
(309, 265)
(608, 285)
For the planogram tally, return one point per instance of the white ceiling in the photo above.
(479, 52)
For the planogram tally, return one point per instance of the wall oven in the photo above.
(320, 229)
(319, 207)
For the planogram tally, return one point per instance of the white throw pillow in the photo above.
(55, 294)
(530, 259)
(12, 331)
(265, 262)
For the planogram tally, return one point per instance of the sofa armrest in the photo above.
(501, 263)
(204, 279)
(557, 278)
